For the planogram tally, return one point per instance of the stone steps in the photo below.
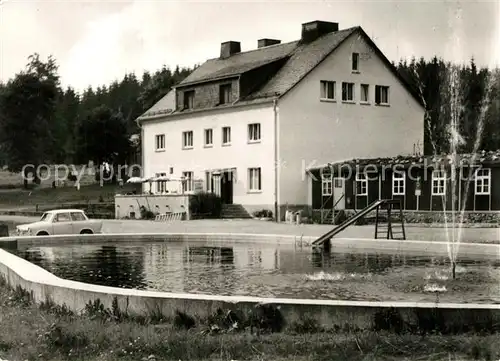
(234, 211)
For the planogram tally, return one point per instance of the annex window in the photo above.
(209, 135)
(187, 139)
(326, 184)
(189, 99)
(226, 135)
(365, 93)
(225, 94)
(438, 182)
(347, 92)
(483, 181)
(160, 142)
(398, 184)
(254, 132)
(355, 61)
(361, 184)
(327, 90)
(187, 184)
(254, 179)
(381, 95)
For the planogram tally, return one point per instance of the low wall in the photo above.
(171, 203)
(325, 314)
(468, 217)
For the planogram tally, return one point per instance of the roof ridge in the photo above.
(287, 43)
(257, 49)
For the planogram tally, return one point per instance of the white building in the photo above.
(248, 124)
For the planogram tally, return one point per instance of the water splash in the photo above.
(337, 276)
(434, 288)
(455, 104)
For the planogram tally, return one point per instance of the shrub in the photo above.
(206, 204)
(263, 213)
(146, 214)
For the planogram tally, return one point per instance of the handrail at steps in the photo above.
(348, 222)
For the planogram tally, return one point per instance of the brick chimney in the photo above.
(315, 29)
(229, 48)
(267, 42)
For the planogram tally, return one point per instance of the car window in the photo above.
(45, 217)
(77, 216)
(62, 217)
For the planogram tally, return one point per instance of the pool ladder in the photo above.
(386, 230)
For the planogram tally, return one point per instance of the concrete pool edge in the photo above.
(328, 314)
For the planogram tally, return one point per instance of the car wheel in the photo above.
(86, 231)
(42, 233)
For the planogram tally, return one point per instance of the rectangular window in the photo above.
(225, 94)
(226, 135)
(438, 182)
(398, 184)
(208, 182)
(355, 62)
(208, 137)
(161, 186)
(254, 179)
(189, 99)
(327, 90)
(347, 92)
(361, 184)
(483, 181)
(326, 184)
(187, 139)
(160, 142)
(381, 95)
(254, 132)
(188, 181)
(365, 93)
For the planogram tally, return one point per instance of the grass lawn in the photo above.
(30, 332)
(55, 196)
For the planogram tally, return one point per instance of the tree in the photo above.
(102, 136)
(28, 104)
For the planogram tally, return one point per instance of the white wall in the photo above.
(240, 154)
(321, 132)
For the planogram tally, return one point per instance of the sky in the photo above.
(96, 42)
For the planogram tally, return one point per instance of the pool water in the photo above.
(271, 271)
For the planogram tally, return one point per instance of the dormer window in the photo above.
(225, 94)
(189, 99)
(355, 62)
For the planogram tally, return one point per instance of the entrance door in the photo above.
(339, 193)
(227, 179)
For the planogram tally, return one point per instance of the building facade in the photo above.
(246, 125)
(465, 182)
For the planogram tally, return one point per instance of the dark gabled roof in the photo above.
(464, 159)
(301, 59)
(238, 64)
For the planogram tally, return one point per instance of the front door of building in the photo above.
(227, 182)
(339, 193)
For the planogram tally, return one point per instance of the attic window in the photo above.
(355, 62)
(225, 94)
(189, 99)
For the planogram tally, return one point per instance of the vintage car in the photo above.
(61, 221)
